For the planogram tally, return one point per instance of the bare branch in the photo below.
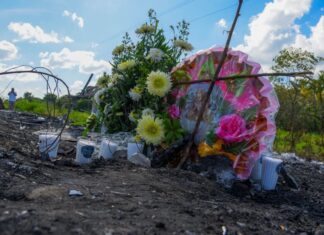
(297, 74)
(211, 86)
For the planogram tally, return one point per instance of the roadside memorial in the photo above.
(214, 103)
(213, 108)
(239, 119)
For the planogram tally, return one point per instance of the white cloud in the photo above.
(273, 29)
(222, 23)
(22, 77)
(74, 17)
(68, 39)
(83, 60)
(35, 34)
(76, 86)
(315, 42)
(8, 51)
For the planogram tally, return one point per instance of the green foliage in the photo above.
(301, 101)
(103, 80)
(28, 96)
(173, 130)
(211, 137)
(83, 105)
(309, 145)
(295, 59)
(63, 101)
(39, 107)
(132, 62)
(50, 97)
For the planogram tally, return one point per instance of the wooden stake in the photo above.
(211, 86)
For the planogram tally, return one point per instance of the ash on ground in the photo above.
(118, 197)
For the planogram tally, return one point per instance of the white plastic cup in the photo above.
(107, 149)
(85, 151)
(256, 173)
(270, 171)
(48, 144)
(134, 148)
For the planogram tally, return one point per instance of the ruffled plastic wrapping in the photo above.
(239, 121)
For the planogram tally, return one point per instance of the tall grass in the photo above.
(39, 107)
(309, 145)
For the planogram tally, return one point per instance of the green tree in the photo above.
(50, 98)
(300, 98)
(28, 96)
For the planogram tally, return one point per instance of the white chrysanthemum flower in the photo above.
(132, 116)
(145, 29)
(126, 65)
(155, 54)
(184, 45)
(118, 50)
(110, 85)
(135, 93)
(158, 83)
(97, 96)
(151, 129)
(115, 77)
(148, 112)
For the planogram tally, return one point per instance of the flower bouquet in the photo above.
(239, 120)
(136, 97)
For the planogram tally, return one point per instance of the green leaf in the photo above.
(250, 114)
(211, 137)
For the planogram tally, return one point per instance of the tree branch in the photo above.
(297, 74)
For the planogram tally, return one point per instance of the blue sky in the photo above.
(74, 38)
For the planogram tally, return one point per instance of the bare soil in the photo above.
(121, 198)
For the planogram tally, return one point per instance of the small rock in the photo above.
(160, 225)
(140, 159)
(319, 230)
(242, 225)
(46, 192)
(120, 154)
(321, 168)
(75, 193)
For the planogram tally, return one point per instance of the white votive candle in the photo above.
(270, 170)
(134, 148)
(256, 173)
(85, 151)
(48, 144)
(107, 149)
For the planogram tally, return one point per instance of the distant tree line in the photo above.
(301, 99)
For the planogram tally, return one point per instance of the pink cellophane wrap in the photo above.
(241, 112)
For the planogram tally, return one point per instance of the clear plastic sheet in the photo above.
(239, 121)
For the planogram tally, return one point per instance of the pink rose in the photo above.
(232, 128)
(174, 111)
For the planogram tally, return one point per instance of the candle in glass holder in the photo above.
(270, 171)
(107, 149)
(134, 148)
(48, 144)
(85, 151)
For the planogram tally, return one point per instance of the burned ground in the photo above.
(121, 198)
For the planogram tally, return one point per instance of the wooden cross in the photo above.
(217, 78)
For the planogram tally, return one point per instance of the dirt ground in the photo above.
(121, 198)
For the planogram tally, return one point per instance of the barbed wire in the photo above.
(47, 75)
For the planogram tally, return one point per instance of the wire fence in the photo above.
(53, 87)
